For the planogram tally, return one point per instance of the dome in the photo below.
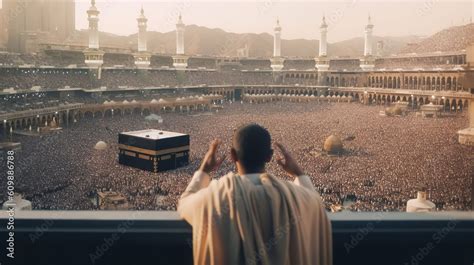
(125, 102)
(100, 145)
(333, 145)
(153, 101)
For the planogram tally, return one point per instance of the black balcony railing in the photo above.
(144, 237)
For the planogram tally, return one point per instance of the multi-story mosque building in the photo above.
(442, 78)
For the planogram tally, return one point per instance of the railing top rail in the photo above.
(174, 216)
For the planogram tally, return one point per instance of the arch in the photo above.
(107, 113)
(448, 83)
(447, 105)
(88, 114)
(460, 105)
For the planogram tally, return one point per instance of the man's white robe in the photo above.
(256, 219)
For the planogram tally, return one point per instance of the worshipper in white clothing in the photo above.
(251, 217)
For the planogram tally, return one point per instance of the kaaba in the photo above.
(153, 150)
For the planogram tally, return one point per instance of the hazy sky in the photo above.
(299, 19)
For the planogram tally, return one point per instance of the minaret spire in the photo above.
(180, 60)
(368, 37)
(367, 62)
(322, 61)
(277, 60)
(180, 35)
(277, 40)
(142, 25)
(93, 18)
(323, 38)
(93, 55)
(142, 57)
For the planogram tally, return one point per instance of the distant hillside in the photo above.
(355, 47)
(217, 42)
(450, 39)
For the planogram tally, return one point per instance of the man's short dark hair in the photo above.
(252, 144)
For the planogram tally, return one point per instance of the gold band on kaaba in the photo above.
(153, 152)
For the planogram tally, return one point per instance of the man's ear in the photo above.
(269, 158)
(233, 155)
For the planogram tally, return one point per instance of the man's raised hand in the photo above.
(210, 161)
(287, 162)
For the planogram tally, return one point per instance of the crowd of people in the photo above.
(46, 78)
(50, 79)
(385, 159)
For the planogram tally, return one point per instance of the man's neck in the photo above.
(242, 171)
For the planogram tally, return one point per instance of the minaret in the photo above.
(93, 17)
(277, 61)
(180, 61)
(323, 43)
(368, 38)
(93, 56)
(142, 57)
(367, 63)
(180, 36)
(277, 40)
(322, 62)
(142, 20)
